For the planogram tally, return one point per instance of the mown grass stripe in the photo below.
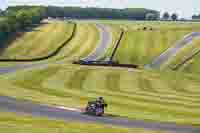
(83, 43)
(77, 80)
(29, 82)
(112, 81)
(31, 47)
(150, 99)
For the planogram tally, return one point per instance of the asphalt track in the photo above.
(8, 104)
(105, 41)
(172, 51)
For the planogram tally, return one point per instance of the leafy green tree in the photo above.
(19, 17)
(150, 16)
(23, 18)
(196, 16)
(4, 27)
(107, 13)
(174, 17)
(1, 12)
(166, 16)
(36, 16)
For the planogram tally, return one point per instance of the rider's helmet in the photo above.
(100, 99)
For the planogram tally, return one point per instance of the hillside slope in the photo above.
(40, 42)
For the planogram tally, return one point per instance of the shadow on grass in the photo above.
(105, 115)
(111, 115)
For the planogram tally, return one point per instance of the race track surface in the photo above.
(105, 41)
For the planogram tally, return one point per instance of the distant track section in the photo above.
(173, 50)
(93, 59)
(105, 41)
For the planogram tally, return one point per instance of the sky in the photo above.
(185, 8)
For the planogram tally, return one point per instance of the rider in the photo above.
(101, 101)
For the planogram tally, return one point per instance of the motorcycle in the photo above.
(95, 108)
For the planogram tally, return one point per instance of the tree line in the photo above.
(13, 20)
(167, 16)
(196, 17)
(103, 13)
(95, 13)
(19, 17)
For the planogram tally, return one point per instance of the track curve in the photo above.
(173, 50)
(105, 41)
